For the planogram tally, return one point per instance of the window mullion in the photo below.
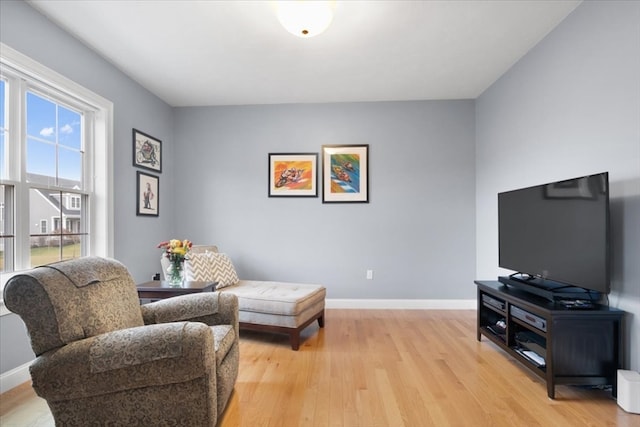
(18, 152)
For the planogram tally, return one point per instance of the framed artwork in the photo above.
(293, 174)
(147, 151)
(147, 203)
(345, 173)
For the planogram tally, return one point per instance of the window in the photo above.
(75, 202)
(54, 149)
(55, 167)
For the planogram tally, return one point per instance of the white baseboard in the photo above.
(403, 304)
(14, 377)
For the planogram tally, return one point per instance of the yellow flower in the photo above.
(176, 249)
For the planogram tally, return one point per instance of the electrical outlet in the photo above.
(369, 274)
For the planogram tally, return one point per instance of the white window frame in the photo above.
(100, 179)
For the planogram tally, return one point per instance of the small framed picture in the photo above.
(147, 151)
(147, 200)
(345, 173)
(293, 174)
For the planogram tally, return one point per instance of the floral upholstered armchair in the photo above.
(103, 359)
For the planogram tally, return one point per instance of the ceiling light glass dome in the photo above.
(305, 18)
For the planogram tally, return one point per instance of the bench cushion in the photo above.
(280, 298)
(279, 320)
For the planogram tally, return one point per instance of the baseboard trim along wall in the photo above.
(403, 304)
(14, 377)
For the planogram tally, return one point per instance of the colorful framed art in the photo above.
(147, 151)
(345, 173)
(293, 175)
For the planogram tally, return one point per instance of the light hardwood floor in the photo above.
(387, 368)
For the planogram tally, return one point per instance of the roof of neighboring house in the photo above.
(52, 195)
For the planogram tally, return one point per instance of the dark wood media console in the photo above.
(571, 346)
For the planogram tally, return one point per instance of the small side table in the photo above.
(157, 289)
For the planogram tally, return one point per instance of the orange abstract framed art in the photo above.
(293, 175)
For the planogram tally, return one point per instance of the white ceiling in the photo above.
(194, 53)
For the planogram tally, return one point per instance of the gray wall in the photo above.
(27, 31)
(15, 349)
(416, 234)
(574, 94)
(571, 107)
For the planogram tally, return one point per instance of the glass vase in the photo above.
(175, 274)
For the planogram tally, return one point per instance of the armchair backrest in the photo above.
(71, 300)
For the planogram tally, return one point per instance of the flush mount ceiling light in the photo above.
(305, 18)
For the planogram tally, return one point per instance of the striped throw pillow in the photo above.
(198, 268)
(223, 270)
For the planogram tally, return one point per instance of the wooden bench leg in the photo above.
(294, 333)
(294, 338)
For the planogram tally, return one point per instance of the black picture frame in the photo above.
(293, 175)
(345, 173)
(147, 151)
(147, 204)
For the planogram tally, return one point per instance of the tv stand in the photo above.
(551, 291)
(560, 345)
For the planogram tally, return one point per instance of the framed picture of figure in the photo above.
(147, 195)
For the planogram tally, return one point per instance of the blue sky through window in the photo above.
(54, 139)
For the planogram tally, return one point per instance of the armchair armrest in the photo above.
(211, 308)
(132, 358)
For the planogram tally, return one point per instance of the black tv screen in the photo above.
(558, 232)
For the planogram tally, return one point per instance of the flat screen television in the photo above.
(556, 237)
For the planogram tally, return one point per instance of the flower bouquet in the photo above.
(175, 250)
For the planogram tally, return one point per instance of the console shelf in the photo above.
(560, 345)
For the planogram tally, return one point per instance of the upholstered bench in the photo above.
(278, 306)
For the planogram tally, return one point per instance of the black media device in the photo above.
(556, 238)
